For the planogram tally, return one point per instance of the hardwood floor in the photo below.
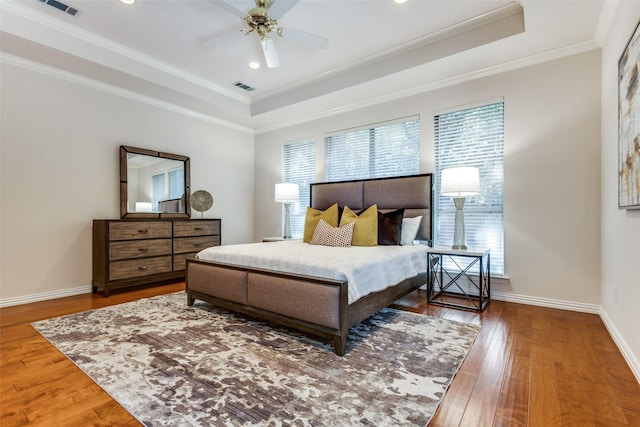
(529, 366)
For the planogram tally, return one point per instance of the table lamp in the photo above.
(459, 183)
(286, 193)
(144, 207)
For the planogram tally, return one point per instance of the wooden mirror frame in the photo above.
(124, 186)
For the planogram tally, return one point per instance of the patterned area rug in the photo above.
(173, 365)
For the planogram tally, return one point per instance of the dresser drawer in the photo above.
(139, 248)
(139, 230)
(132, 252)
(139, 267)
(194, 244)
(196, 227)
(180, 260)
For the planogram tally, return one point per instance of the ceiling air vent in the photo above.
(243, 86)
(61, 6)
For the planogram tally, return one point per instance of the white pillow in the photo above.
(410, 228)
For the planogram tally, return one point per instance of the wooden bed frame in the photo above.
(315, 305)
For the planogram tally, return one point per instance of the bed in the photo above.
(317, 299)
(171, 206)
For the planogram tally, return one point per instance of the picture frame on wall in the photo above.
(629, 124)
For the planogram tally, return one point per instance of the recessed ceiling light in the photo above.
(395, 1)
(128, 1)
(254, 65)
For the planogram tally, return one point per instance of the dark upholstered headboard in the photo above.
(171, 206)
(410, 192)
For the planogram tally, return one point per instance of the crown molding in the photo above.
(49, 71)
(607, 15)
(439, 84)
(405, 48)
(468, 34)
(97, 41)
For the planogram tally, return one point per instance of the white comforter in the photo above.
(367, 269)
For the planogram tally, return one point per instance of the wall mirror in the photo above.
(154, 184)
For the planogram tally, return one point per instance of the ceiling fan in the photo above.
(262, 20)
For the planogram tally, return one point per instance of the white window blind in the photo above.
(473, 137)
(157, 183)
(176, 183)
(299, 167)
(374, 151)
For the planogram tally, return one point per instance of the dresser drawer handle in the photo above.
(197, 245)
(143, 249)
(198, 228)
(143, 268)
(143, 231)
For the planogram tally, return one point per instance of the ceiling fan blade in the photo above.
(270, 54)
(277, 8)
(306, 38)
(224, 4)
(221, 38)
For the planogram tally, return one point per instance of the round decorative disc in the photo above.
(201, 200)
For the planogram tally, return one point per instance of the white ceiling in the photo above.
(155, 50)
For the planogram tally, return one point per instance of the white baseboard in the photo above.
(628, 355)
(547, 302)
(8, 302)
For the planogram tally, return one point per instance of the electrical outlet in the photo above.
(615, 294)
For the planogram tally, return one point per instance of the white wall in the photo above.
(59, 170)
(620, 228)
(552, 170)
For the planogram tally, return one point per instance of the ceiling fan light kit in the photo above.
(260, 22)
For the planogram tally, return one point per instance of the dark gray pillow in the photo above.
(390, 227)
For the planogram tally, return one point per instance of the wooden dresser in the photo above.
(134, 252)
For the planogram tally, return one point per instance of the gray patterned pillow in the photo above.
(327, 235)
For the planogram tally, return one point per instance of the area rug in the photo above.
(173, 365)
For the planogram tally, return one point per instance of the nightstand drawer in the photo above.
(139, 267)
(194, 244)
(139, 248)
(197, 227)
(139, 230)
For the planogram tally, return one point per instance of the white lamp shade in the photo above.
(287, 192)
(460, 182)
(144, 207)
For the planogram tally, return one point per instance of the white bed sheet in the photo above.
(366, 269)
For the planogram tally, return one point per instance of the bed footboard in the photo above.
(309, 304)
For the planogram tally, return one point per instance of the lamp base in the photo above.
(286, 234)
(458, 228)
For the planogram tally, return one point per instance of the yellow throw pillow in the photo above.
(330, 215)
(365, 232)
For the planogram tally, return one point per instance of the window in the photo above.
(167, 185)
(299, 167)
(473, 137)
(374, 151)
(157, 182)
(176, 183)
